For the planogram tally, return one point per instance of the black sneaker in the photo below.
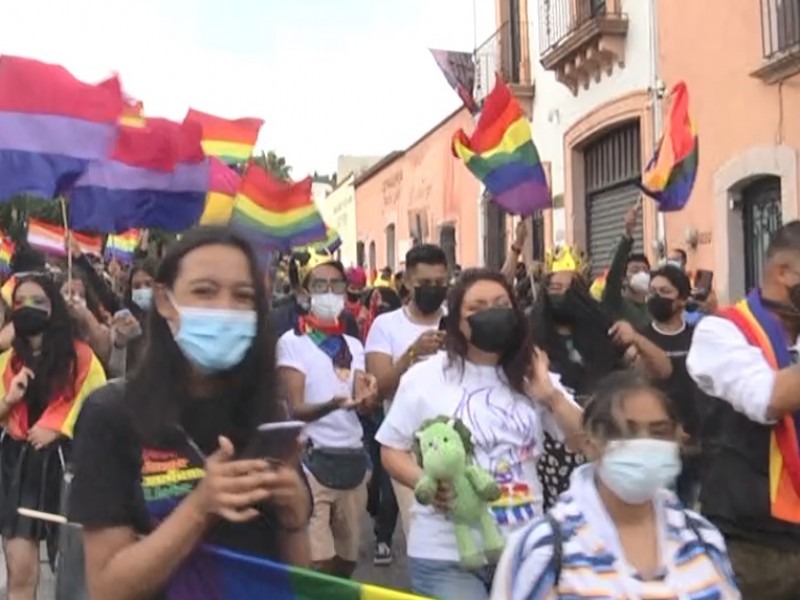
(383, 555)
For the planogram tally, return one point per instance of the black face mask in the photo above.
(661, 308)
(29, 321)
(562, 307)
(353, 296)
(429, 298)
(494, 330)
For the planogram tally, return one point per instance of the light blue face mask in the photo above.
(143, 298)
(215, 339)
(636, 469)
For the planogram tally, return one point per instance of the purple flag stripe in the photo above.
(115, 175)
(42, 175)
(53, 134)
(525, 198)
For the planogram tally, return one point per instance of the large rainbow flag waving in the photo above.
(502, 155)
(231, 141)
(762, 330)
(669, 176)
(217, 574)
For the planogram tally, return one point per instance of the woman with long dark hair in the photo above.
(159, 476)
(584, 345)
(498, 385)
(44, 378)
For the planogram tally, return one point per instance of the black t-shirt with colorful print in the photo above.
(118, 482)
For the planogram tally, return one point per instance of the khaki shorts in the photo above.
(335, 526)
(405, 500)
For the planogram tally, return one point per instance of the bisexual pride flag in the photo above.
(51, 126)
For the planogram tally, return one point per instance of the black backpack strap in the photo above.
(558, 548)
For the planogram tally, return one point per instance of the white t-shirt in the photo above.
(341, 428)
(393, 333)
(506, 431)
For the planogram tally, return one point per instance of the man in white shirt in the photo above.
(402, 337)
(751, 484)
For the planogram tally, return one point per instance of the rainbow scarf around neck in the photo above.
(329, 338)
(763, 330)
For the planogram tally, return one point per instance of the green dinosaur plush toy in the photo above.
(444, 451)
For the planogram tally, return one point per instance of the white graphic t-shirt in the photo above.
(507, 431)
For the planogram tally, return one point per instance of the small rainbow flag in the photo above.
(223, 182)
(276, 215)
(231, 141)
(502, 155)
(6, 252)
(132, 114)
(332, 241)
(218, 573)
(49, 239)
(122, 246)
(669, 176)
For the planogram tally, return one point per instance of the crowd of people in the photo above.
(643, 438)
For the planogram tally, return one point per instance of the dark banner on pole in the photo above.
(459, 70)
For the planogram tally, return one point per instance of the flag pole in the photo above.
(63, 202)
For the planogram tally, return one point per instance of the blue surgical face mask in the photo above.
(142, 297)
(634, 470)
(215, 339)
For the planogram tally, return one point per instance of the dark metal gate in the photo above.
(494, 234)
(613, 166)
(447, 240)
(537, 236)
(761, 217)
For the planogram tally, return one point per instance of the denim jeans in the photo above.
(446, 580)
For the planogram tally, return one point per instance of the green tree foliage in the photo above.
(15, 213)
(274, 164)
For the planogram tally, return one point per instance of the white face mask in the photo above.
(640, 282)
(327, 306)
(676, 263)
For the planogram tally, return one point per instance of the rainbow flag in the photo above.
(6, 253)
(51, 126)
(598, 286)
(50, 239)
(223, 182)
(331, 243)
(231, 141)
(669, 176)
(763, 330)
(63, 408)
(132, 114)
(502, 155)
(276, 215)
(122, 246)
(214, 573)
(157, 177)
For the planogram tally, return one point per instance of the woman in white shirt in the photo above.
(323, 371)
(492, 379)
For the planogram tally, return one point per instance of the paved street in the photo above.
(395, 576)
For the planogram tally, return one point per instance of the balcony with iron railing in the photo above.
(780, 39)
(505, 53)
(580, 40)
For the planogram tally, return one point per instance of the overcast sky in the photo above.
(328, 77)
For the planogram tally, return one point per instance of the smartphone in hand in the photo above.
(275, 441)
